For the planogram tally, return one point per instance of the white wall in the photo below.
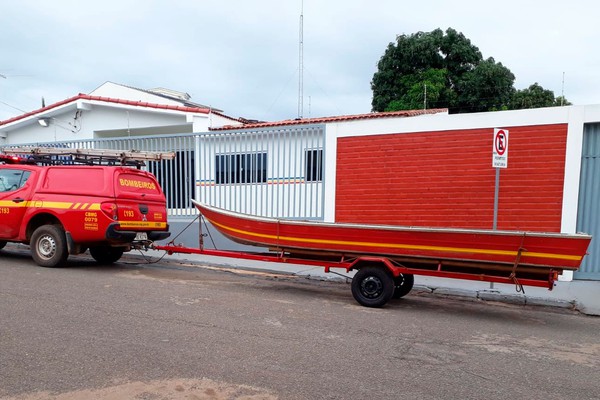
(442, 122)
(217, 121)
(97, 119)
(61, 128)
(104, 117)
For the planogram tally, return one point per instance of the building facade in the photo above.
(416, 168)
(113, 111)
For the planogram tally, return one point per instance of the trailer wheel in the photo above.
(403, 285)
(106, 254)
(372, 286)
(49, 246)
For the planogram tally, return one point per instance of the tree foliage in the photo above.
(437, 69)
(489, 86)
(536, 96)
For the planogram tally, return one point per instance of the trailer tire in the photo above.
(372, 286)
(106, 254)
(403, 285)
(49, 246)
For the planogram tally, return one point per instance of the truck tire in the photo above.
(2, 244)
(403, 285)
(372, 286)
(106, 254)
(49, 246)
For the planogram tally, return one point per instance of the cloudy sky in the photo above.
(242, 56)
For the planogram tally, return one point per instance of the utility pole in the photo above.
(301, 64)
(562, 92)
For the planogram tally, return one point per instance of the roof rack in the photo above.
(67, 156)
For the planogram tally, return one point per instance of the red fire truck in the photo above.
(65, 201)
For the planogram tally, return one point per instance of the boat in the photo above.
(471, 247)
(386, 257)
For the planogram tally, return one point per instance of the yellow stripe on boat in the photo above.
(403, 246)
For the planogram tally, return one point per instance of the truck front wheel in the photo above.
(49, 246)
(106, 254)
(373, 286)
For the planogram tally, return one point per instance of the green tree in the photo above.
(488, 87)
(431, 81)
(444, 69)
(422, 59)
(536, 96)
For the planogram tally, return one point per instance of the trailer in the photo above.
(386, 258)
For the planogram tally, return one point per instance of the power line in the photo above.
(16, 108)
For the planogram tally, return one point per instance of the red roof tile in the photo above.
(82, 96)
(341, 118)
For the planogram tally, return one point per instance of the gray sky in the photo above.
(242, 56)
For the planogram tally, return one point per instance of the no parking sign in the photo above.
(500, 148)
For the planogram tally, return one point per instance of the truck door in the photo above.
(14, 196)
(141, 203)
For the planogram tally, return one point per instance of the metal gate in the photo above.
(270, 172)
(588, 214)
(276, 172)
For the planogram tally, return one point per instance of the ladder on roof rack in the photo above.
(58, 156)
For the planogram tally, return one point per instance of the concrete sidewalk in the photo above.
(583, 296)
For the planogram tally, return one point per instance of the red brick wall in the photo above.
(446, 179)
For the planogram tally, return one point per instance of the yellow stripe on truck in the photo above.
(54, 204)
(60, 205)
(10, 203)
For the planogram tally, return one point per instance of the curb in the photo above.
(497, 296)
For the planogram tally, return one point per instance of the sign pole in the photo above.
(496, 194)
(499, 160)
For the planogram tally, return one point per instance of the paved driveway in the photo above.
(172, 330)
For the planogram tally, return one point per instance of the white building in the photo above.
(110, 111)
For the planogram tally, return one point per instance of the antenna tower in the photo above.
(301, 63)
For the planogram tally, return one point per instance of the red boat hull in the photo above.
(557, 251)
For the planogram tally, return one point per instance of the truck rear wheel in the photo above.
(404, 284)
(49, 246)
(372, 286)
(106, 254)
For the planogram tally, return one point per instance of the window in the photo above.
(241, 168)
(314, 165)
(13, 179)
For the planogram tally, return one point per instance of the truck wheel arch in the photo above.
(39, 220)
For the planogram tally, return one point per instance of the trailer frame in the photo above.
(378, 278)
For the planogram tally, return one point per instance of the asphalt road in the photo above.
(178, 331)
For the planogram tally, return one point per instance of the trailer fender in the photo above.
(364, 261)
